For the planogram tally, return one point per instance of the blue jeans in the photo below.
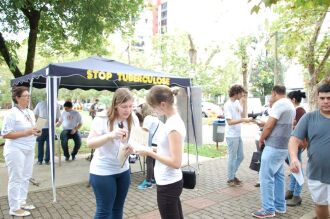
(235, 155)
(65, 136)
(293, 184)
(110, 193)
(41, 141)
(272, 181)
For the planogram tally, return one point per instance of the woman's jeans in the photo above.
(272, 181)
(110, 193)
(235, 155)
(293, 184)
(20, 167)
(168, 200)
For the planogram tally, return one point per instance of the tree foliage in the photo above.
(61, 26)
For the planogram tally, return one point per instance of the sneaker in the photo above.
(153, 181)
(39, 163)
(257, 184)
(73, 157)
(47, 162)
(19, 213)
(262, 214)
(231, 183)
(67, 158)
(280, 212)
(145, 185)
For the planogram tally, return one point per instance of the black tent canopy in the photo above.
(92, 73)
(100, 74)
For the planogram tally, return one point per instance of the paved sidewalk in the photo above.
(211, 198)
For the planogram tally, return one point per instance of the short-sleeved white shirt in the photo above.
(164, 174)
(105, 160)
(233, 110)
(70, 119)
(154, 125)
(18, 120)
(41, 111)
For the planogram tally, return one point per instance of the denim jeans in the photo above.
(41, 142)
(110, 193)
(65, 136)
(293, 184)
(272, 180)
(235, 155)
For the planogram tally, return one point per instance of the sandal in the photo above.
(28, 207)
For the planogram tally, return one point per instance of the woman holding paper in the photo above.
(168, 158)
(109, 172)
(20, 133)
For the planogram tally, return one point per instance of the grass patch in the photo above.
(207, 150)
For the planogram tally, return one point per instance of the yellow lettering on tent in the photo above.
(96, 74)
(143, 79)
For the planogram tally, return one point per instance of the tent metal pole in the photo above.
(51, 99)
(30, 91)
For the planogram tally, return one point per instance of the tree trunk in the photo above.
(312, 70)
(8, 59)
(34, 17)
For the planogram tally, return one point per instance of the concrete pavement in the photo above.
(211, 198)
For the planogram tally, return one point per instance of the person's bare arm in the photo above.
(175, 158)
(294, 143)
(237, 121)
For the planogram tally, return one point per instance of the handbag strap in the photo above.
(155, 131)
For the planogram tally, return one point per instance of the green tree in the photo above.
(241, 51)
(262, 77)
(60, 27)
(300, 23)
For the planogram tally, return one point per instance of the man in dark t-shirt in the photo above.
(315, 128)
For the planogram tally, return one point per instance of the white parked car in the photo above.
(209, 109)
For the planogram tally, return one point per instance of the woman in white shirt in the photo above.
(110, 175)
(168, 158)
(153, 125)
(20, 134)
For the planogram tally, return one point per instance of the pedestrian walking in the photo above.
(315, 128)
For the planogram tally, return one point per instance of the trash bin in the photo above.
(219, 130)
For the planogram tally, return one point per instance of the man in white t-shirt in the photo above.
(233, 115)
(41, 111)
(71, 122)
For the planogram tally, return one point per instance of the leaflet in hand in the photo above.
(41, 122)
(121, 156)
(138, 138)
(299, 177)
